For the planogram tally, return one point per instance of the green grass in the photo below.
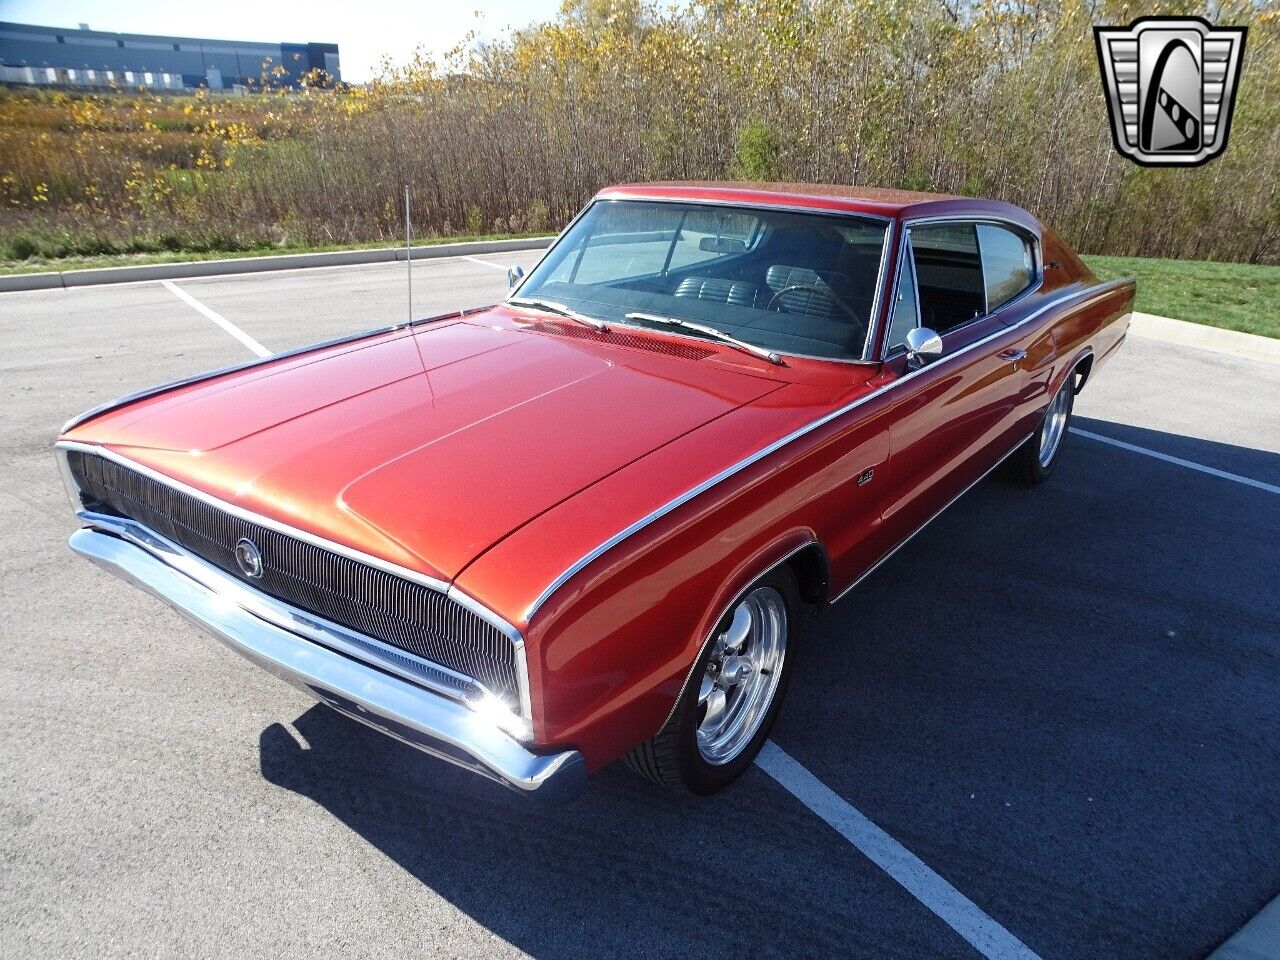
(45, 264)
(1235, 296)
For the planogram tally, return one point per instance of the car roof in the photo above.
(836, 197)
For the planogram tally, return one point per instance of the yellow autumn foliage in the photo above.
(996, 98)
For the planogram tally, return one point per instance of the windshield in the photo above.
(790, 283)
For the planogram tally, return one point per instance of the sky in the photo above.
(364, 30)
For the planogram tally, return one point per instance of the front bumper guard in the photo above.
(425, 720)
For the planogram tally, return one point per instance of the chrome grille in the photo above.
(356, 595)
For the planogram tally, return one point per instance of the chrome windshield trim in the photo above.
(747, 205)
(514, 291)
(249, 364)
(892, 237)
(1086, 297)
(787, 208)
(440, 586)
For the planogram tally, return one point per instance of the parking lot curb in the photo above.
(1259, 939)
(1198, 335)
(63, 279)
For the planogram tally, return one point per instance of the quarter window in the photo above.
(1007, 265)
(906, 313)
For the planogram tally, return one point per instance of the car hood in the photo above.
(425, 448)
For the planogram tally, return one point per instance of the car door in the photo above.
(954, 417)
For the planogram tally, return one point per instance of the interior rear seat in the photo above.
(737, 292)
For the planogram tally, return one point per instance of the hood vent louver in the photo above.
(618, 338)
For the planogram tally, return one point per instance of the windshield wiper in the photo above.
(711, 332)
(550, 306)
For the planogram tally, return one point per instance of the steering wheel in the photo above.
(822, 291)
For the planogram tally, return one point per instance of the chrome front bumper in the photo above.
(428, 721)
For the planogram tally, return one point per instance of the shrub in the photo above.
(993, 99)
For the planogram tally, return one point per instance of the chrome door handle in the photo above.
(1013, 355)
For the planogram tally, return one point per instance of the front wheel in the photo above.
(1034, 460)
(728, 706)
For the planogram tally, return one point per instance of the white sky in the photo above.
(364, 30)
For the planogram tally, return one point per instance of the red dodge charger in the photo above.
(581, 524)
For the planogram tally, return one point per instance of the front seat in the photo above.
(814, 305)
(801, 290)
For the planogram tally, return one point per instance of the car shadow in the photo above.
(626, 869)
(1065, 700)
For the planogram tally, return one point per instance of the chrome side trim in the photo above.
(436, 725)
(985, 473)
(1088, 297)
(249, 364)
(452, 591)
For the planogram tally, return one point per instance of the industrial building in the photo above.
(60, 57)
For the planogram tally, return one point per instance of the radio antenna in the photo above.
(408, 249)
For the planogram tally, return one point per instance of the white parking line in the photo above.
(487, 263)
(220, 320)
(1189, 464)
(955, 909)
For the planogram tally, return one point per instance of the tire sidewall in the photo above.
(698, 774)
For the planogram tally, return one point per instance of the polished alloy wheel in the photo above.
(1055, 424)
(742, 675)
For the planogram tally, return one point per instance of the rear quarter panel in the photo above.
(1082, 321)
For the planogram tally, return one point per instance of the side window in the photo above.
(1006, 263)
(948, 274)
(906, 313)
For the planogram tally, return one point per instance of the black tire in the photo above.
(1026, 465)
(672, 757)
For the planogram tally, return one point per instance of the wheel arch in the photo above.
(1083, 367)
(801, 550)
(1081, 363)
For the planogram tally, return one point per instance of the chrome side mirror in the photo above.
(923, 346)
(514, 276)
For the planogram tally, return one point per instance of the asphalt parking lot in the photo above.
(1064, 701)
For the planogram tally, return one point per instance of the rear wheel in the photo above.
(1034, 461)
(729, 704)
